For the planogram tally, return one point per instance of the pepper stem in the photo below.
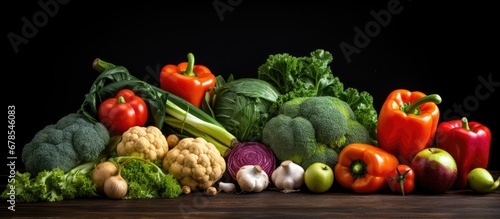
(358, 169)
(121, 99)
(190, 67)
(465, 124)
(413, 107)
(101, 65)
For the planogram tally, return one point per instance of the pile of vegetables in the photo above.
(179, 115)
(61, 157)
(130, 139)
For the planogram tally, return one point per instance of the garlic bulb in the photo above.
(288, 177)
(251, 178)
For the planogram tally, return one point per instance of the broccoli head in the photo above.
(312, 129)
(356, 133)
(73, 140)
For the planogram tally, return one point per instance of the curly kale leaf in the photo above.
(148, 180)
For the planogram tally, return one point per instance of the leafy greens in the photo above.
(312, 76)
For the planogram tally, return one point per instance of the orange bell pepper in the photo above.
(407, 123)
(187, 80)
(364, 168)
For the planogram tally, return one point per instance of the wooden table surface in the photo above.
(274, 204)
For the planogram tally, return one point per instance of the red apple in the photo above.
(435, 169)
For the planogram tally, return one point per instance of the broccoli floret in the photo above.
(292, 107)
(356, 133)
(285, 133)
(342, 106)
(73, 140)
(322, 154)
(328, 115)
(328, 121)
(89, 148)
(310, 129)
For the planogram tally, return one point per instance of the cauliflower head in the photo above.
(312, 129)
(147, 142)
(195, 163)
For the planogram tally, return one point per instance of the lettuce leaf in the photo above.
(52, 185)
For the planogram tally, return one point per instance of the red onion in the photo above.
(251, 153)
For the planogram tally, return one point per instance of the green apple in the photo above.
(318, 177)
(435, 169)
(481, 181)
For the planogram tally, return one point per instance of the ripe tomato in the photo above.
(402, 179)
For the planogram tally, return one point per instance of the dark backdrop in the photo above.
(446, 48)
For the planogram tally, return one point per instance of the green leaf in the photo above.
(111, 81)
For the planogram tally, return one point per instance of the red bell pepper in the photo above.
(468, 143)
(123, 111)
(189, 81)
(407, 123)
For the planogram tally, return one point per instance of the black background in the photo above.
(432, 47)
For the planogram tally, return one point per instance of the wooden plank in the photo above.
(271, 203)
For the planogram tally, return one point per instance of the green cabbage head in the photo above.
(242, 107)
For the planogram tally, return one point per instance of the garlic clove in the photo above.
(227, 187)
